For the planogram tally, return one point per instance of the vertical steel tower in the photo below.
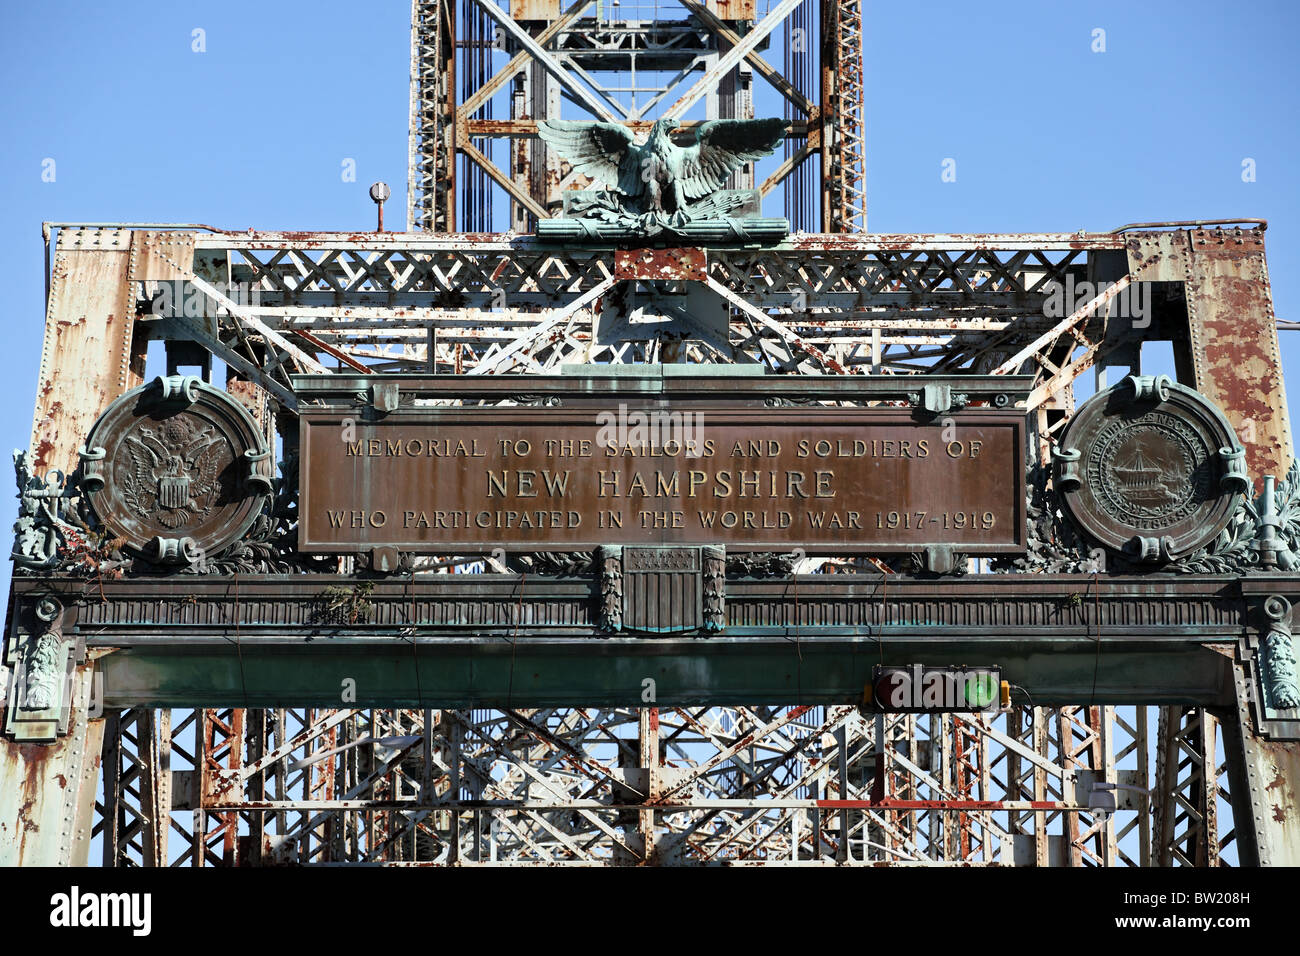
(1146, 721)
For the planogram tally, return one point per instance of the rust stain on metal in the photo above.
(41, 457)
(343, 357)
(1233, 339)
(907, 242)
(662, 264)
(85, 342)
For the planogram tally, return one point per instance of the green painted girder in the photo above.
(510, 640)
(541, 672)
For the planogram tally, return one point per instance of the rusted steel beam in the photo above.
(153, 744)
(527, 128)
(1065, 325)
(1234, 344)
(544, 59)
(810, 242)
(843, 96)
(247, 318)
(729, 60)
(1058, 381)
(543, 332)
(788, 335)
(1265, 782)
(1231, 343)
(47, 791)
(520, 60)
(431, 112)
(88, 340)
(501, 179)
(787, 167)
(664, 264)
(325, 347)
(719, 28)
(696, 803)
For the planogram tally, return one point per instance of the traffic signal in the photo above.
(919, 689)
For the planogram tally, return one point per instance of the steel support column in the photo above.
(1229, 348)
(1264, 776)
(47, 791)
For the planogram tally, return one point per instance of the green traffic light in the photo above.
(981, 691)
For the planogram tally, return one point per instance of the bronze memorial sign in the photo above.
(824, 479)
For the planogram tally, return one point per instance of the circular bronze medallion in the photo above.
(1150, 468)
(177, 469)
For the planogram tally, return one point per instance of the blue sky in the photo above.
(1047, 134)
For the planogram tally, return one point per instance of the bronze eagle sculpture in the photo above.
(658, 176)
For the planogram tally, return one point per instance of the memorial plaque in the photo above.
(824, 479)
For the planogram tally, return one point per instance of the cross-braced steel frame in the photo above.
(1042, 784)
(629, 63)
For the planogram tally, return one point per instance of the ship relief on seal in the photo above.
(1149, 472)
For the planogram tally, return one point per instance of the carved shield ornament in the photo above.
(177, 469)
(1150, 468)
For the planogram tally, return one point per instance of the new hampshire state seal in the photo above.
(1150, 469)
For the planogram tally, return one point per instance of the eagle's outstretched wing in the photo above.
(141, 490)
(207, 465)
(722, 146)
(603, 151)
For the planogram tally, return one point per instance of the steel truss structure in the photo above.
(626, 63)
(669, 786)
(1057, 780)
